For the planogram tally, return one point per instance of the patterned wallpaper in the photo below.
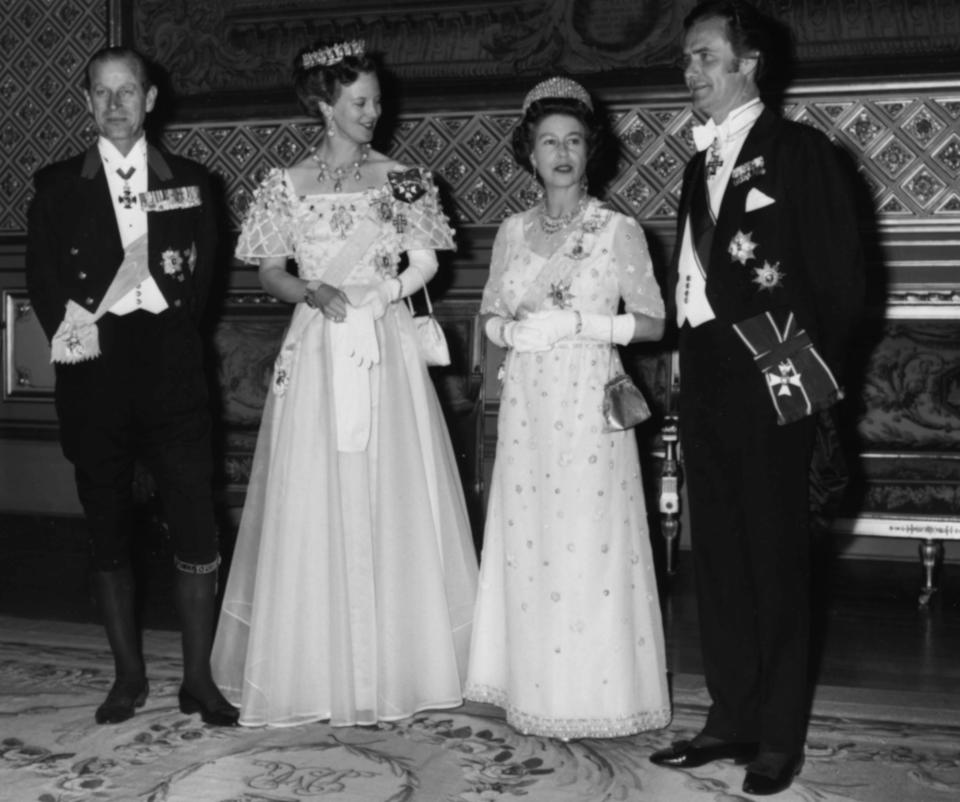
(906, 139)
(906, 144)
(43, 114)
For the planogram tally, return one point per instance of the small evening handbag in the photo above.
(623, 404)
(433, 342)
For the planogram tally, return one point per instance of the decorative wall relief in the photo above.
(230, 46)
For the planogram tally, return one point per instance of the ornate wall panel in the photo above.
(220, 48)
(43, 114)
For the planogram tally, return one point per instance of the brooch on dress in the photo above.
(560, 294)
(407, 185)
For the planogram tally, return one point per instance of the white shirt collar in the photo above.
(740, 119)
(113, 158)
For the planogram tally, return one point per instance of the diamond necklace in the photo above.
(551, 225)
(340, 173)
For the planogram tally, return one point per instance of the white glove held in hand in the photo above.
(359, 337)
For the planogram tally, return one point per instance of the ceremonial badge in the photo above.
(769, 276)
(741, 247)
(163, 200)
(747, 170)
(408, 185)
(786, 376)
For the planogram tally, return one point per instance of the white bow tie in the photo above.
(704, 135)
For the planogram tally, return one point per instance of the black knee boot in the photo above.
(196, 603)
(116, 598)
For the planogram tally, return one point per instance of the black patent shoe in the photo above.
(684, 755)
(219, 714)
(766, 777)
(122, 701)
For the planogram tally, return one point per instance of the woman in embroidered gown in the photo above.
(567, 633)
(351, 590)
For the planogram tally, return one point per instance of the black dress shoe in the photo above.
(684, 755)
(218, 714)
(768, 777)
(122, 700)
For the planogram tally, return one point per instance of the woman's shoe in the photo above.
(122, 701)
(219, 714)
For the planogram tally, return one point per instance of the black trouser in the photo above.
(747, 485)
(145, 397)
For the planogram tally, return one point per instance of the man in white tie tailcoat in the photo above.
(767, 282)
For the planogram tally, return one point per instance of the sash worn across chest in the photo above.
(552, 276)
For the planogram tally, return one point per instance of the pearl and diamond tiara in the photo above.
(560, 88)
(334, 54)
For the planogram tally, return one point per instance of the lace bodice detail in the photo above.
(402, 215)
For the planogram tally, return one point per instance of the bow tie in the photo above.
(704, 135)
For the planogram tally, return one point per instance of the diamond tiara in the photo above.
(334, 54)
(558, 87)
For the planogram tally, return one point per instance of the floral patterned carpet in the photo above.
(864, 746)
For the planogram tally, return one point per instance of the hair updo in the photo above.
(525, 132)
(324, 83)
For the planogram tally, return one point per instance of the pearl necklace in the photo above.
(552, 225)
(340, 173)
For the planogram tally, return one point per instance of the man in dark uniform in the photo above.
(768, 281)
(120, 253)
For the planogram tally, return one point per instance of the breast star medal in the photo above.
(769, 276)
(741, 247)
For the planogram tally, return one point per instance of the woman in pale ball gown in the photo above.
(351, 590)
(567, 635)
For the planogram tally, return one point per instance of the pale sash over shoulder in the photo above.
(77, 338)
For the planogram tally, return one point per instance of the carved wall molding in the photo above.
(228, 46)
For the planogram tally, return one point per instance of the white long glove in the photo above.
(558, 324)
(562, 323)
(553, 325)
(515, 334)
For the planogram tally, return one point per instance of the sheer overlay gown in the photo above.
(567, 634)
(351, 590)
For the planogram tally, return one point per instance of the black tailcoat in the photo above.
(145, 396)
(747, 477)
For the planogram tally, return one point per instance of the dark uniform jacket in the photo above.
(74, 247)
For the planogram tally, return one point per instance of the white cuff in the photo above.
(617, 329)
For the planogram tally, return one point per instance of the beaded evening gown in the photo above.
(351, 589)
(567, 633)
